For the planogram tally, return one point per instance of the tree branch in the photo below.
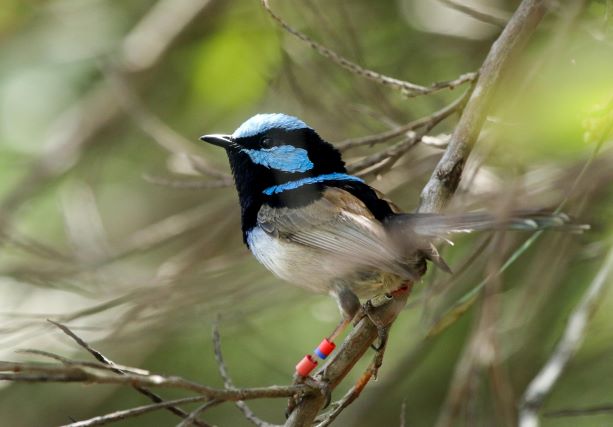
(427, 122)
(154, 397)
(394, 152)
(135, 412)
(407, 88)
(446, 176)
(30, 372)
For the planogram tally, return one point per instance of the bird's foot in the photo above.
(383, 324)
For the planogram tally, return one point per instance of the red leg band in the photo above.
(324, 349)
(306, 365)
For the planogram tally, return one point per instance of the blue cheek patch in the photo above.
(285, 158)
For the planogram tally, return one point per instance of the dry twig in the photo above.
(407, 88)
(135, 412)
(120, 370)
(389, 156)
(73, 131)
(498, 19)
(427, 122)
(30, 372)
(247, 412)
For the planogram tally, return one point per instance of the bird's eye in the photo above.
(266, 142)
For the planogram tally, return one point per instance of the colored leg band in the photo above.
(324, 349)
(306, 365)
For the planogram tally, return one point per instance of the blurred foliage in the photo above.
(140, 270)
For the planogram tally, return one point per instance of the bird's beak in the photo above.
(224, 141)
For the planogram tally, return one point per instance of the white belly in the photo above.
(291, 262)
(314, 269)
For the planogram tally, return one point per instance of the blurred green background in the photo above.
(109, 225)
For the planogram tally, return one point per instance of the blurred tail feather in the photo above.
(441, 225)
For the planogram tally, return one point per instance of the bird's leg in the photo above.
(339, 329)
(349, 306)
(383, 327)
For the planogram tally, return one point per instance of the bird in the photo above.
(311, 223)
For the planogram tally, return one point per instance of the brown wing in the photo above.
(340, 225)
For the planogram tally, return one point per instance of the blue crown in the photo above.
(261, 123)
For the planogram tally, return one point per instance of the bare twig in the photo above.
(394, 152)
(99, 356)
(122, 371)
(541, 385)
(193, 416)
(247, 412)
(134, 412)
(28, 372)
(407, 88)
(580, 412)
(427, 122)
(498, 19)
(72, 362)
(352, 394)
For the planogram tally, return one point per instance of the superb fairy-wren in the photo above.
(314, 225)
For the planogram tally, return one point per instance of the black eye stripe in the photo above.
(266, 142)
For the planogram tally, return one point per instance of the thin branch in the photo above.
(426, 121)
(85, 363)
(99, 356)
(541, 385)
(580, 412)
(154, 397)
(497, 19)
(397, 150)
(193, 416)
(407, 88)
(352, 394)
(247, 412)
(29, 372)
(134, 412)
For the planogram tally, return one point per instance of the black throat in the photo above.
(252, 179)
